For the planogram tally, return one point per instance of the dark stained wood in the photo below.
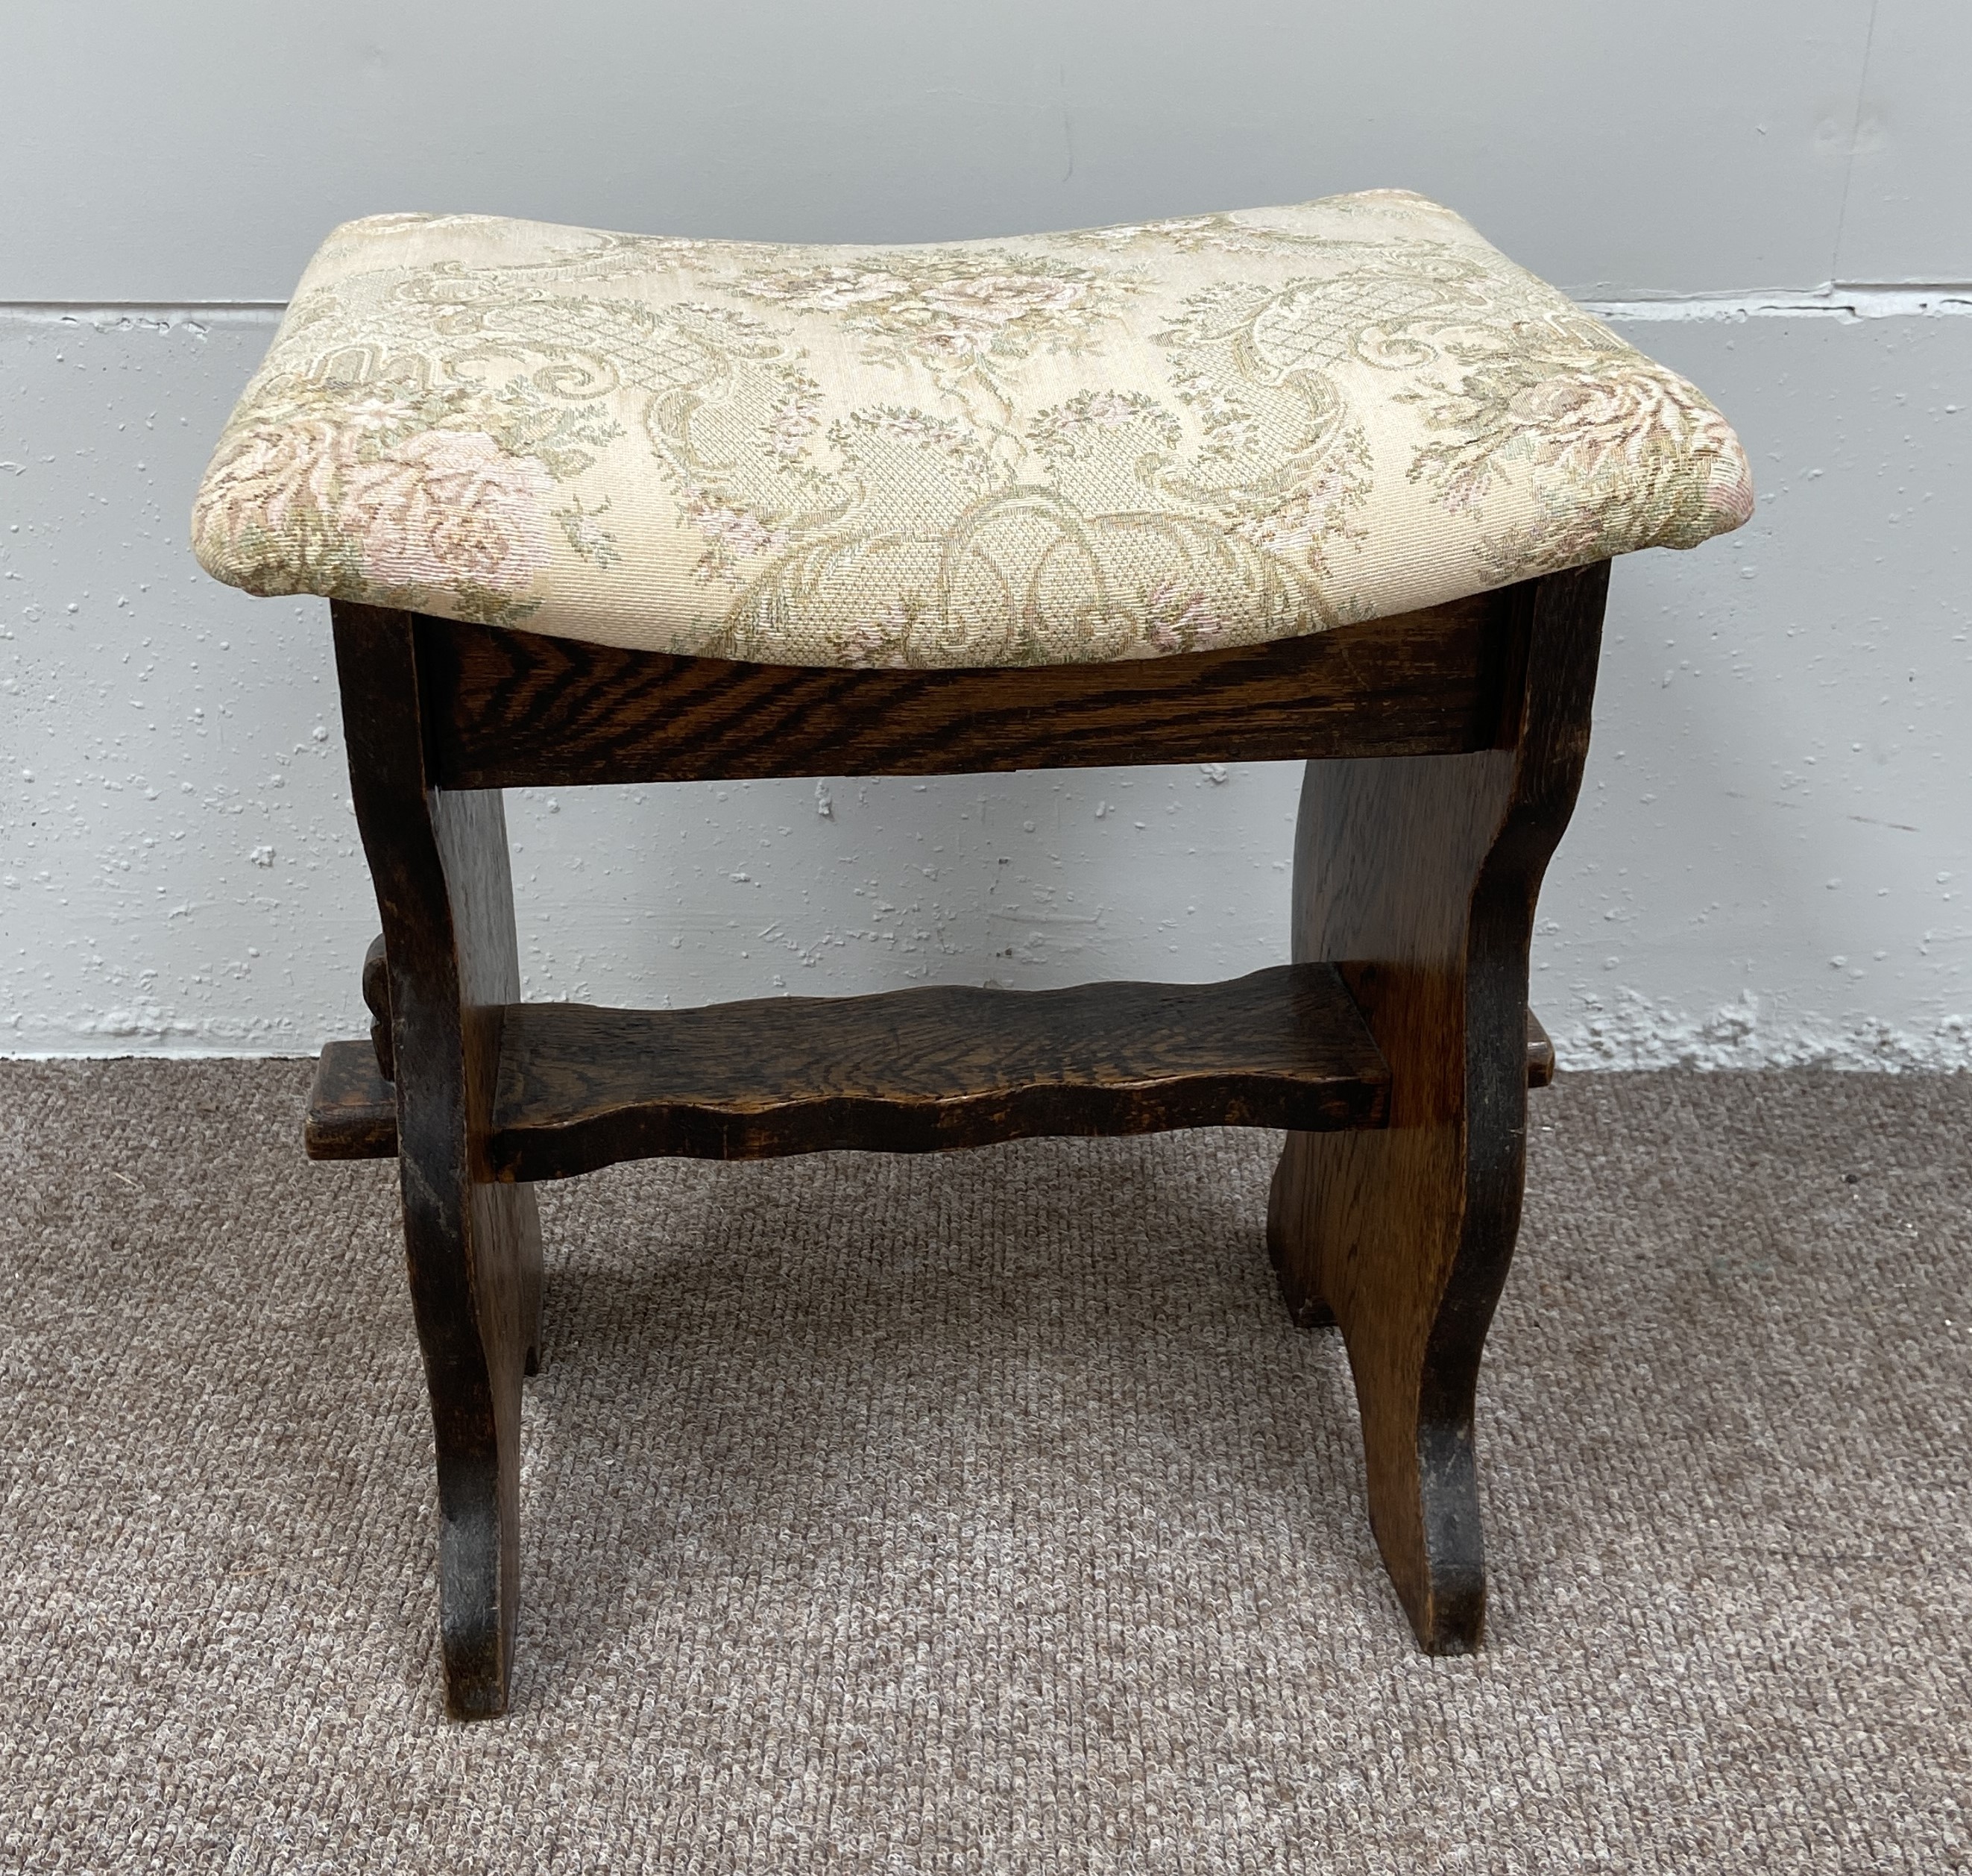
(1423, 873)
(1457, 737)
(510, 708)
(923, 1070)
(440, 864)
(352, 1110)
(376, 994)
(1540, 1053)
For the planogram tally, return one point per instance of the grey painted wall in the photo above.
(175, 154)
(1771, 859)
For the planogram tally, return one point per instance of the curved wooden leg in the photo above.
(1419, 875)
(476, 1416)
(472, 1247)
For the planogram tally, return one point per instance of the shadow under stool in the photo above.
(1445, 740)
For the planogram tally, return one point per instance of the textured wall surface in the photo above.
(1771, 859)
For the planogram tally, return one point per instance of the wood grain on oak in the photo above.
(922, 1070)
(1423, 875)
(512, 708)
(353, 1115)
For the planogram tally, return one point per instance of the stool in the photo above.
(1335, 483)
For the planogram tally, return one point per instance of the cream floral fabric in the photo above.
(1114, 443)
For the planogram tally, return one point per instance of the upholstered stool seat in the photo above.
(1336, 482)
(1120, 442)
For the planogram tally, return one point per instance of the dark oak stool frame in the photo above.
(1444, 751)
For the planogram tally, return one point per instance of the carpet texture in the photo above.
(984, 1513)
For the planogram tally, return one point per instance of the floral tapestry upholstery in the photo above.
(1119, 442)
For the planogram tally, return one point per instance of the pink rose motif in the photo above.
(1111, 409)
(446, 508)
(880, 641)
(1728, 493)
(1583, 422)
(830, 289)
(956, 344)
(1187, 621)
(275, 475)
(998, 299)
(738, 528)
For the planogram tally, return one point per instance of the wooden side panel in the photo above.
(1423, 873)
(512, 708)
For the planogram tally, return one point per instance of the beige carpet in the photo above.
(985, 1514)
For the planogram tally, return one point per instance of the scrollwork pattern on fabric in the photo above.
(1114, 443)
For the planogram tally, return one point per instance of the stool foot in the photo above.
(1414, 1368)
(1424, 1509)
(479, 1497)
(475, 1359)
(1306, 1304)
